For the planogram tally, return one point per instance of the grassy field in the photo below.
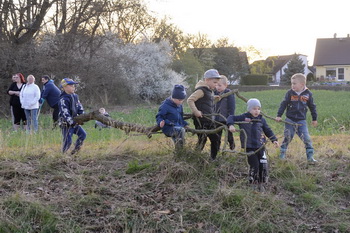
(129, 183)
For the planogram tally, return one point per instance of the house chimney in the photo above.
(335, 35)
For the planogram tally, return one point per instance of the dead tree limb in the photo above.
(131, 127)
(127, 127)
(236, 92)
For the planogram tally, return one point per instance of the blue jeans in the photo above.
(178, 136)
(67, 133)
(303, 133)
(32, 119)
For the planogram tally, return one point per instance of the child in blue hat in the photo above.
(170, 116)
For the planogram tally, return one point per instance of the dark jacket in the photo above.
(256, 130)
(51, 93)
(297, 105)
(172, 115)
(225, 106)
(69, 107)
(206, 103)
(14, 99)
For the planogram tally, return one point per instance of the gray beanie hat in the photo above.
(253, 103)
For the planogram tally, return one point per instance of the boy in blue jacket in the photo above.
(297, 100)
(70, 107)
(170, 116)
(256, 129)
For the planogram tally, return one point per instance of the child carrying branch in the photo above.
(253, 138)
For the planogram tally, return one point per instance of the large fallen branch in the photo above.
(127, 127)
(131, 127)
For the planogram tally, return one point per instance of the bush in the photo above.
(255, 79)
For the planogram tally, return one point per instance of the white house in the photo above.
(281, 63)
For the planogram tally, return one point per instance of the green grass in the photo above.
(129, 183)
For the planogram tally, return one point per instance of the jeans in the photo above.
(303, 133)
(67, 133)
(32, 119)
(178, 137)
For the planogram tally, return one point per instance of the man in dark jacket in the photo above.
(51, 93)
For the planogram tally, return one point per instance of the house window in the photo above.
(340, 73)
(331, 73)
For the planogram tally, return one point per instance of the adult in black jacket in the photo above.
(17, 110)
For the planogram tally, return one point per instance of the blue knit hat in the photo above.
(179, 92)
(253, 103)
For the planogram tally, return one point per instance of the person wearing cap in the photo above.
(29, 97)
(253, 139)
(51, 94)
(170, 116)
(201, 103)
(70, 107)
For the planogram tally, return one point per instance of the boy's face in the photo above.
(69, 89)
(212, 82)
(255, 111)
(177, 101)
(297, 86)
(221, 86)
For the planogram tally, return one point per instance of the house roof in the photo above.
(280, 61)
(332, 51)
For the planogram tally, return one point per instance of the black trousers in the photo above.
(202, 138)
(230, 139)
(55, 113)
(258, 166)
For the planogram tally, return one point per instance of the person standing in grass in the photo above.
(70, 107)
(297, 100)
(170, 116)
(29, 97)
(201, 103)
(51, 93)
(15, 103)
(225, 107)
(253, 139)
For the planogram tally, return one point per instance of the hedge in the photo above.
(255, 79)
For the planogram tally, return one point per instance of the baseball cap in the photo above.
(67, 81)
(212, 73)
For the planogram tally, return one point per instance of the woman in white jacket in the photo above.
(29, 97)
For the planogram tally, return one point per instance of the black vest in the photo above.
(206, 103)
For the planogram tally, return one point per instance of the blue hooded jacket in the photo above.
(172, 114)
(297, 105)
(51, 93)
(69, 107)
(256, 130)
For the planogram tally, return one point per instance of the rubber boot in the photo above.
(310, 155)
(283, 153)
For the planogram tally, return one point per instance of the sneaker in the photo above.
(312, 160)
(74, 151)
